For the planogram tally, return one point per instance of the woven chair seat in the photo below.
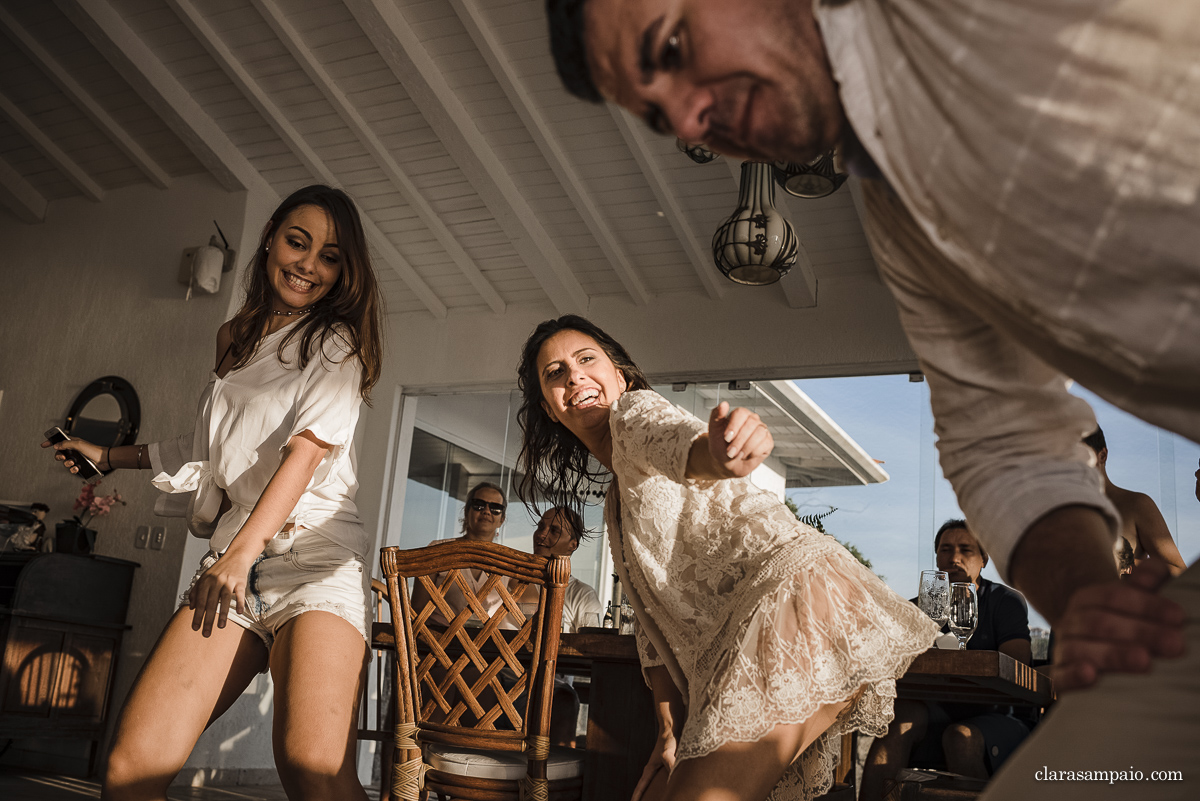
(564, 763)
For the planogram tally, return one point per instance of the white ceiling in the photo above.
(485, 186)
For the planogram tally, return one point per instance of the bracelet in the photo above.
(108, 458)
(141, 450)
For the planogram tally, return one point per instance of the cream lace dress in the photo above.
(759, 618)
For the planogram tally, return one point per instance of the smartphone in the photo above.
(87, 468)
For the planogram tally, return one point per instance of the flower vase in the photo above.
(71, 537)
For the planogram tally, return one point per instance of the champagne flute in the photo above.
(963, 611)
(934, 596)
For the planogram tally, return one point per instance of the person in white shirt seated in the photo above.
(558, 534)
(483, 514)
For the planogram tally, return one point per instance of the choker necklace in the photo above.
(291, 313)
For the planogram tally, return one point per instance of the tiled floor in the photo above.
(27, 786)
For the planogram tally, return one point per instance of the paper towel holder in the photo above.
(188, 263)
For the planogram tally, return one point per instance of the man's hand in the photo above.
(1064, 565)
(1116, 627)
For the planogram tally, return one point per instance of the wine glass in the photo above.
(935, 594)
(963, 611)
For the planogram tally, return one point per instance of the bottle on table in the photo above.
(626, 626)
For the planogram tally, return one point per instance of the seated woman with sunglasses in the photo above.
(482, 518)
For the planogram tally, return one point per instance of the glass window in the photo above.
(459, 441)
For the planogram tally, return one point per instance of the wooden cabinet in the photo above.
(62, 617)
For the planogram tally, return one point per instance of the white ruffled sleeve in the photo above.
(328, 405)
(169, 456)
(653, 436)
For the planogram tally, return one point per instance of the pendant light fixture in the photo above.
(697, 153)
(756, 245)
(817, 178)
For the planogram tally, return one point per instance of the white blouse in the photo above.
(243, 422)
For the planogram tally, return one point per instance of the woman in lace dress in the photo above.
(761, 639)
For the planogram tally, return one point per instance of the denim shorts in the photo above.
(298, 574)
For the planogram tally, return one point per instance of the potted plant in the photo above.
(73, 535)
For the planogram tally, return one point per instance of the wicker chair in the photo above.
(472, 698)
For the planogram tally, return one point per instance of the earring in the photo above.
(267, 248)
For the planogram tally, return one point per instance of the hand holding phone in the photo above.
(84, 467)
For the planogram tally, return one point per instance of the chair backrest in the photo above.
(461, 684)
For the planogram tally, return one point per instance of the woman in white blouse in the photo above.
(268, 477)
(761, 638)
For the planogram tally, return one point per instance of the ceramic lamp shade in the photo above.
(817, 178)
(756, 245)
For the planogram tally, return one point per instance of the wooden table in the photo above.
(977, 677)
(621, 726)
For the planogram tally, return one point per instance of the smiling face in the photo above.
(579, 382)
(748, 82)
(481, 521)
(959, 555)
(553, 536)
(303, 260)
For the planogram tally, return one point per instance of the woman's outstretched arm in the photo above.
(223, 586)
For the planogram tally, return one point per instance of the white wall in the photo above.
(752, 333)
(91, 292)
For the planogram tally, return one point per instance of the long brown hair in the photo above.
(352, 310)
(555, 465)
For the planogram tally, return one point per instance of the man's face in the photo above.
(958, 554)
(749, 79)
(553, 535)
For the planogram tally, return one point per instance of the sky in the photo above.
(893, 524)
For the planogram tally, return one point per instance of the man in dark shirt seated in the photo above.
(971, 739)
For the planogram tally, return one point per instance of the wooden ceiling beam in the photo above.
(144, 71)
(61, 161)
(391, 168)
(83, 99)
(701, 258)
(411, 63)
(800, 285)
(19, 196)
(274, 117)
(472, 18)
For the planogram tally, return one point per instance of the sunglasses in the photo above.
(480, 506)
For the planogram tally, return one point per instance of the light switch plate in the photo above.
(141, 537)
(158, 535)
